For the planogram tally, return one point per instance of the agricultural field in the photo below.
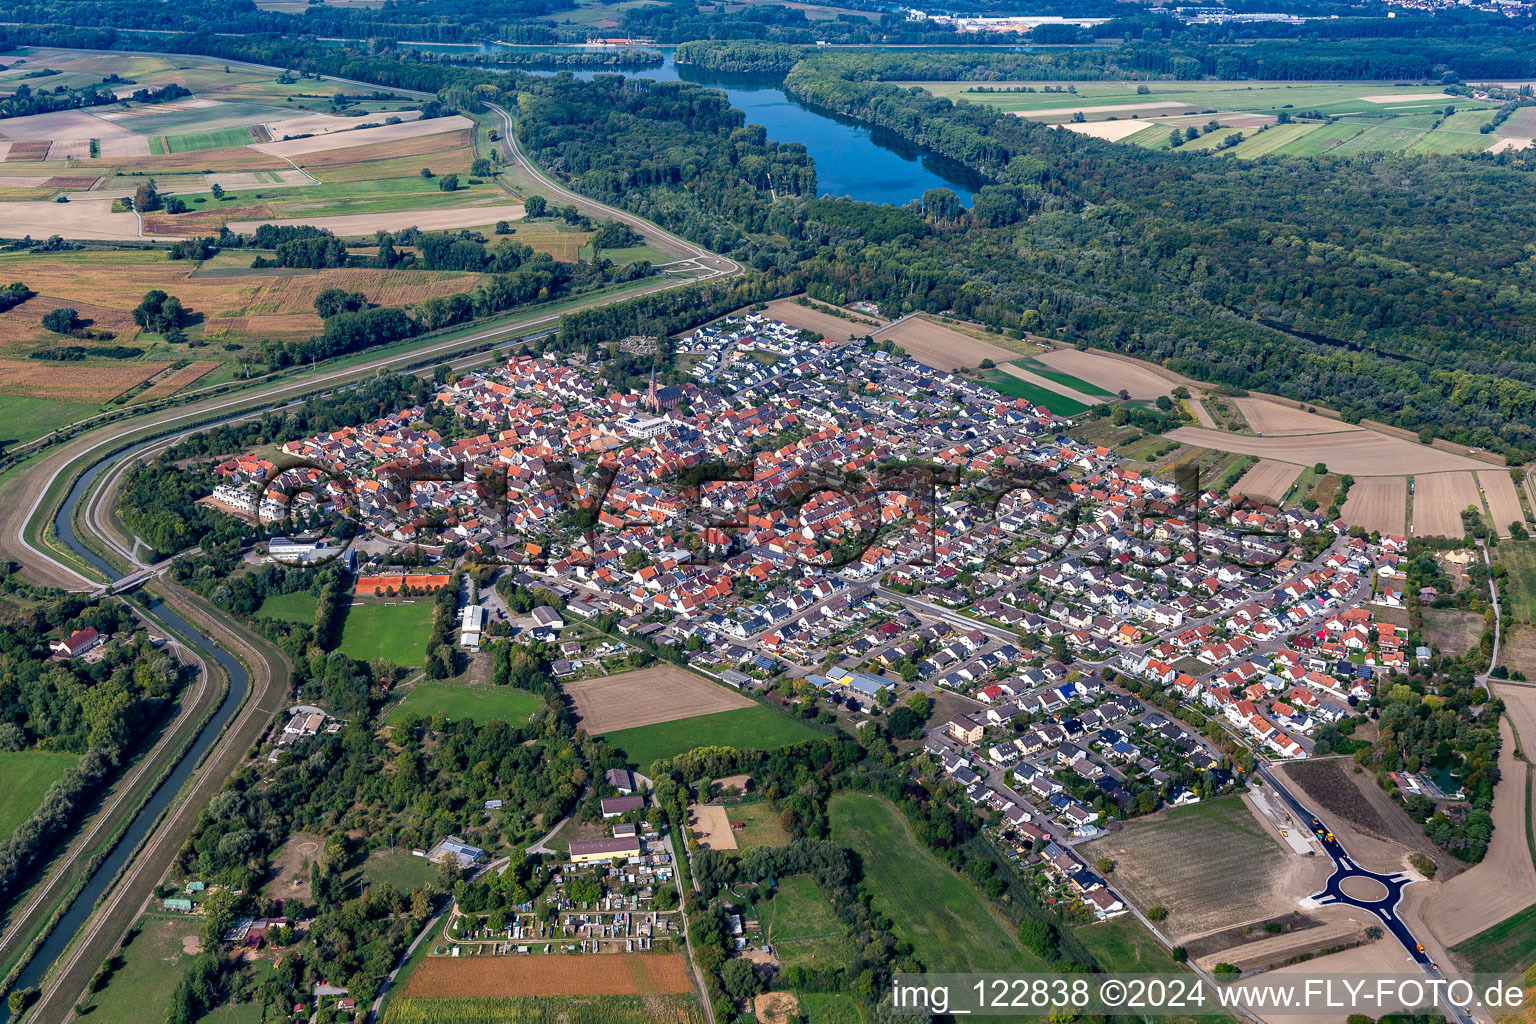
(1519, 588)
(1014, 387)
(1438, 501)
(506, 977)
(456, 702)
(941, 347)
(1502, 499)
(28, 774)
(949, 923)
(525, 1010)
(750, 728)
(1507, 947)
(1356, 452)
(357, 170)
(661, 693)
(1210, 865)
(394, 632)
(802, 925)
(1328, 117)
(1267, 482)
(1378, 503)
(1107, 373)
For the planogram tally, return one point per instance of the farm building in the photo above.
(613, 806)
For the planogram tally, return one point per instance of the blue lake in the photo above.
(851, 159)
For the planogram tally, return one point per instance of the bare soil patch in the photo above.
(1242, 935)
(1267, 482)
(1452, 630)
(1438, 499)
(811, 319)
(368, 223)
(663, 693)
(288, 872)
(596, 974)
(386, 133)
(1366, 890)
(1112, 373)
(1268, 417)
(1376, 832)
(1503, 501)
(1271, 951)
(777, 1007)
(941, 348)
(739, 783)
(69, 220)
(1356, 452)
(385, 151)
(711, 823)
(1110, 131)
(1378, 503)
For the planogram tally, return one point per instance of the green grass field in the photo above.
(399, 868)
(1519, 589)
(27, 775)
(1014, 387)
(804, 929)
(762, 825)
(298, 606)
(478, 703)
(950, 924)
(219, 138)
(26, 418)
(396, 632)
(1507, 947)
(829, 1008)
(754, 728)
(1122, 944)
(1039, 369)
(141, 988)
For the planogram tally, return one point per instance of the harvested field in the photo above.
(23, 322)
(1404, 97)
(63, 124)
(72, 382)
(386, 151)
(1211, 865)
(174, 382)
(1503, 501)
(711, 823)
(28, 150)
(368, 223)
(70, 149)
(941, 348)
(611, 974)
(78, 183)
(1438, 500)
(1267, 482)
(387, 133)
(1504, 882)
(232, 158)
(1110, 131)
(1109, 372)
(1357, 452)
(323, 124)
(204, 222)
(810, 319)
(69, 220)
(22, 180)
(1014, 370)
(1378, 503)
(1511, 143)
(1104, 108)
(1267, 417)
(645, 697)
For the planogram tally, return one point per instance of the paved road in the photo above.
(1344, 868)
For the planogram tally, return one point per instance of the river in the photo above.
(852, 159)
(160, 799)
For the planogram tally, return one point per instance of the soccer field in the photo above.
(396, 632)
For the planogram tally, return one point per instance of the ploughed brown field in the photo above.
(595, 974)
(1378, 503)
(664, 693)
